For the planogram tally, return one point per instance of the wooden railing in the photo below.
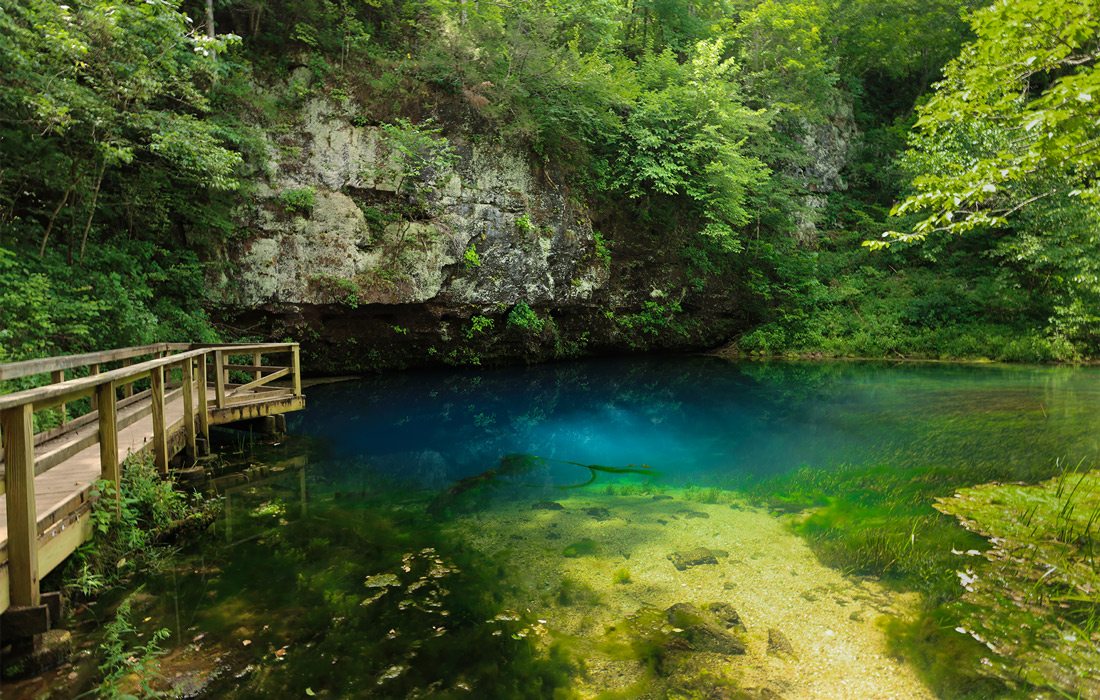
(174, 370)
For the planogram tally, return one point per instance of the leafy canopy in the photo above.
(1015, 121)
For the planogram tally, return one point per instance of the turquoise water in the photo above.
(706, 420)
(520, 532)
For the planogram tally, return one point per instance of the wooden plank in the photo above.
(258, 360)
(219, 379)
(54, 548)
(21, 517)
(255, 369)
(257, 409)
(26, 368)
(260, 382)
(296, 366)
(56, 377)
(55, 457)
(241, 349)
(160, 436)
(203, 408)
(188, 387)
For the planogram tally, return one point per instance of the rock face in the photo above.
(390, 246)
(527, 240)
(827, 145)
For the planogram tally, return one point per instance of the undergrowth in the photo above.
(132, 526)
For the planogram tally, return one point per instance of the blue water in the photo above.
(706, 420)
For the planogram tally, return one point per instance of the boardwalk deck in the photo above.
(68, 461)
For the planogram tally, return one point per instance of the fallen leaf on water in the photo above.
(246, 642)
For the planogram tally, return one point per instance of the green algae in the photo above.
(586, 547)
(1033, 597)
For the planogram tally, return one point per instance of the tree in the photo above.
(1016, 121)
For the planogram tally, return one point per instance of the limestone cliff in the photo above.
(376, 252)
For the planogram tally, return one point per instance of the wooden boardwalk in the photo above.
(49, 475)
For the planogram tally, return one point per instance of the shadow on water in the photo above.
(334, 579)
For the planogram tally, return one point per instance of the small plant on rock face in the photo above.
(524, 224)
(524, 318)
(470, 257)
(299, 201)
(478, 324)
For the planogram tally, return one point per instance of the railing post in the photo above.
(189, 408)
(93, 370)
(219, 379)
(160, 434)
(22, 514)
(128, 388)
(56, 377)
(257, 360)
(108, 437)
(296, 369)
(204, 408)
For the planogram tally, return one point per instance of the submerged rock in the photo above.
(695, 557)
(727, 615)
(779, 645)
(689, 513)
(698, 630)
(586, 547)
(600, 514)
(547, 505)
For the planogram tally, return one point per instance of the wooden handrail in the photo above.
(45, 396)
(26, 368)
(51, 394)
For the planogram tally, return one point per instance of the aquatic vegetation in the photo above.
(1033, 598)
(572, 592)
(586, 547)
(130, 668)
(132, 527)
(621, 577)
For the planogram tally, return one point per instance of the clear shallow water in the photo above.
(391, 549)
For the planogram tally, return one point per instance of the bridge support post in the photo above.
(108, 438)
(160, 434)
(189, 409)
(22, 514)
(221, 377)
(204, 407)
(296, 369)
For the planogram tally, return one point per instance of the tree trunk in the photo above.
(210, 19)
(53, 218)
(91, 209)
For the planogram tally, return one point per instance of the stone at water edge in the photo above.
(50, 650)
